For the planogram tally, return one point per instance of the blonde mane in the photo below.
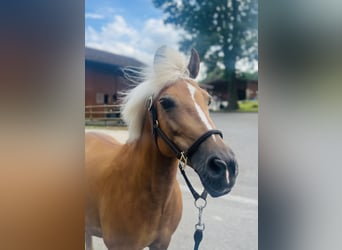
(169, 66)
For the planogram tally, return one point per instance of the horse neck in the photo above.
(156, 172)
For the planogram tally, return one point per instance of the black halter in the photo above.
(179, 153)
(183, 157)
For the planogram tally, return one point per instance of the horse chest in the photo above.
(141, 219)
(135, 212)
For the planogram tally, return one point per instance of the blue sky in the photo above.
(132, 28)
(127, 27)
(134, 11)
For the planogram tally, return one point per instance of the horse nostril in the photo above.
(233, 167)
(216, 166)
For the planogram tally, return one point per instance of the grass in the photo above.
(106, 127)
(248, 106)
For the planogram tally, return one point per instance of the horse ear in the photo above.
(160, 54)
(194, 64)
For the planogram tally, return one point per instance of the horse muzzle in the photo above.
(217, 173)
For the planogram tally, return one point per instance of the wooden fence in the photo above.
(103, 115)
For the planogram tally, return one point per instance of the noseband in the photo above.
(183, 156)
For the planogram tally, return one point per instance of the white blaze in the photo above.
(200, 112)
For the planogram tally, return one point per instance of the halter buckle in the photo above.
(183, 160)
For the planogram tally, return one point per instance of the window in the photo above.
(105, 99)
(114, 98)
(99, 98)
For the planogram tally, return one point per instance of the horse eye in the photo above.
(167, 103)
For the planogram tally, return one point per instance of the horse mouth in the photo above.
(216, 191)
(218, 185)
(217, 171)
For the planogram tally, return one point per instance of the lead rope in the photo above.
(200, 203)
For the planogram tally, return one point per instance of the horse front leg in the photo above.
(88, 241)
(159, 246)
(124, 247)
(161, 243)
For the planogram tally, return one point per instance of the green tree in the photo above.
(223, 32)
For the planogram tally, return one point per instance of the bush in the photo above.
(248, 106)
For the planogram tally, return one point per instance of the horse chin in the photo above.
(212, 188)
(216, 192)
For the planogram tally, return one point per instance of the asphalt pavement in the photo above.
(231, 221)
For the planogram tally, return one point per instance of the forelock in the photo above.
(169, 66)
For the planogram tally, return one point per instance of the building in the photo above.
(246, 89)
(104, 79)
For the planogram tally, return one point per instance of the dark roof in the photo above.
(218, 82)
(99, 56)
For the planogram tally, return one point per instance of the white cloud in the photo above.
(117, 29)
(119, 37)
(94, 16)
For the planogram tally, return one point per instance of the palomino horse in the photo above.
(133, 199)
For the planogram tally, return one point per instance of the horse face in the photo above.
(183, 115)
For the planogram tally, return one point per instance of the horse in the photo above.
(133, 199)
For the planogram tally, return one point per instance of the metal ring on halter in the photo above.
(200, 226)
(201, 204)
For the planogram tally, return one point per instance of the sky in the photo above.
(133, 28)
(128, 27)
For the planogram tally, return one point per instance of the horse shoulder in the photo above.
(100, 149)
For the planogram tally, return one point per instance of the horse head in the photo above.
(181, 112)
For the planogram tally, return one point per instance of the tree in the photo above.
(223, 32)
